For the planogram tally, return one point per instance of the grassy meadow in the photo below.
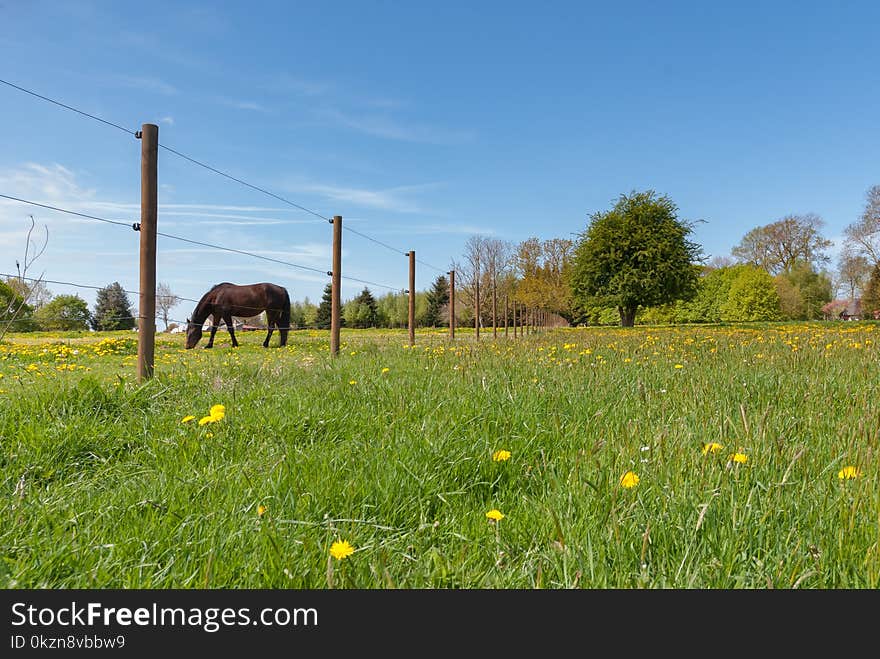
(675, 457)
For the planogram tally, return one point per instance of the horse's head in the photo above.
(193, 333)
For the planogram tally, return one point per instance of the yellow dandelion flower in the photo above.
(341, 549)
(495, 515)
(386, 369)
(739, 458)
(501, 455)
(206, 419)
(218, 411)
(712, 447)
(629, 480)
(187, 418)
(352, 382)
(848, 473)
(261, 510)
(208, 435)
(679, 366)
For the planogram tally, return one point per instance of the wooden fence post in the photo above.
(477, 318)
(412, 297)
(335, 283)
(149, 136)
(451, 274)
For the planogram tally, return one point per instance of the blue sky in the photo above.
(422, 124)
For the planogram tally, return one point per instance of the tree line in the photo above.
(28, 305)
(634, 259)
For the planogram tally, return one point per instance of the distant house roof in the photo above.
(835, 306)
(853, 308)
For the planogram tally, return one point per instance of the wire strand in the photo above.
(214, 170)
(238, 180)
(65, 210)
(68, 107)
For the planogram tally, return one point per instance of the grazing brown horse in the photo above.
(226, 300)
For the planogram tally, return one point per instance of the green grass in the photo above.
(105, 487)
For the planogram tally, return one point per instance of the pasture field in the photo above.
(676, 457)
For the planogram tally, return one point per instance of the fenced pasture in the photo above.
(690, 457)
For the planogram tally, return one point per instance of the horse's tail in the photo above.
(285, 318)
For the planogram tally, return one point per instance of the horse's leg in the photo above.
(283, 325)
(215, 320)
(228, 319)
(271, 321)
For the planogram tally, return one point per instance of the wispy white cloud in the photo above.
(143, 83)
(45, 183)
(391, 199)
(286, 83)
(240, 104)
(167, 120)
(386, 127)
(438, 229)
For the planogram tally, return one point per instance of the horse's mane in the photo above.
(199, 313)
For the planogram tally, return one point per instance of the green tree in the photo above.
(871, 294)
(635, 254)
(362, 311)
(752, 296)
(437, 298)
(302, 314)
(15, 314)
(393, 309)
(803, 292)
(64, 313)
(112, 309)
(323, 315)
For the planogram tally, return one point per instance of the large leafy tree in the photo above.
(436, 298)
(637, 253)
(752, 296)
(64, 313)
(780, 246)
(112, 309)
(803, 292)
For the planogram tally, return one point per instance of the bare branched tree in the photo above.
(166, 300)
(469, 273)
(19, 303)
(497, 258)
(779, 246)
(863, 236)
(853, 272)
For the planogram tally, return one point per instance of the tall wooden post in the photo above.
(335, 283)
(514, 319)
(451, 274)
(494, 311)
(412, 297)
(149, 135)
(505, 317)
(477, 303)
